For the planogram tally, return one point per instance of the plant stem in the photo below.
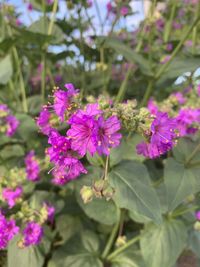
(21, 80)
(169, 23)
(194, 32)
(124, 247)
(110, 240)
(52, 20)
(191, 156)
(164, 67)
(123, 86)
(106, 168)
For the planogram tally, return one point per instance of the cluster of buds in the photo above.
(100, 189)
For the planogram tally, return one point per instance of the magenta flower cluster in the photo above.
(161, 138)
(8, 230)
(8, 121)
(12, 195)
(89, 132)
(32, 234)
(32, 167)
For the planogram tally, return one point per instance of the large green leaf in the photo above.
(41, 26)
(184, 149)
(27, 128)
(6, 69)
(178, 67)
(161, 245)
(100, 210)
(180, 182)
(127, 52)
(31, 257)
(80, 251)
(133, 190)
(129, 258)
(67, 226)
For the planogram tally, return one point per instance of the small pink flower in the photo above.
(124, 11)
(11, 196)
(197, 215)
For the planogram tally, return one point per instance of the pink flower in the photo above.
(124, 11)
(12, 125)
(152, 107)
(8, 230)
(108, 135)
(63, 100)
(161, 138)
(32, 234)
(84, 130)
(11, 196)
(43, 121)
(32, 167)
(197, 215)
(179, 97)
(29, 7)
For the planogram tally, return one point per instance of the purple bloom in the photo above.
(162, 137)
(29, 7)
(84, 130)
(152, 107)
(9, 122)
(197, 215)
(108, 135)
(64, 174)
(32, 234)
(12, 125)
(176, 25)
(160, 23)
(169, 47)
(179, 97)
(109, 7)
(165, 59)
(50, 212)
(8, 230)
(89, 3)
(32, 167)
(43, 121)
(188, 43)
(11, 196)
(185, 120)
(63, 100)
(68, 166)
(124, 11)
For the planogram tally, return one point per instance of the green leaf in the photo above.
(161, 245)
(129, 148)
(11, 151)
(67, 226)
(133, 190)
(31, 257)
(80, 251)
(178, 67)
(180, 182)
(41, 26)
(127, 52)
(129, 258)
(100, 210)
(194, 242)
(27, 128)
(34, 104)
(6, 69)
(184, 148)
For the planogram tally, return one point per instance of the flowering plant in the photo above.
(106, 175)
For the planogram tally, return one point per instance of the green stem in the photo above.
(164, 67)
(194, 32)
(110, 240)
(52, 20)
(176, 50)
(169, 23)
(21, 80)
(124, 247)
(191, 156)
(123, 86)
(147, 93)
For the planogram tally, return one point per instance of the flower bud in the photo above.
(121, 240)
(197, 226)
(86, 194)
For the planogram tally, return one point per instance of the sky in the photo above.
(131, 21)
